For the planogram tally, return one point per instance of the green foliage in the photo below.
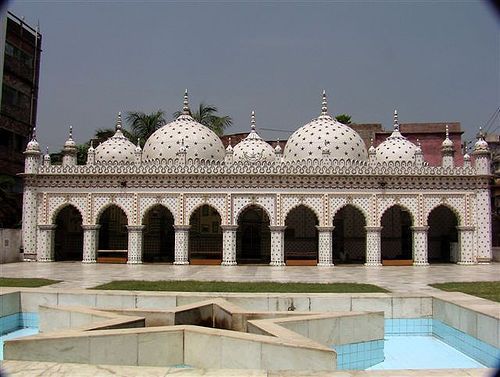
(144, 125)
(489, 290)
(25, 282)
(207, 115)
(221, 286)
(343, 118)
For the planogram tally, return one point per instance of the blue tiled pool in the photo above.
(17, 325)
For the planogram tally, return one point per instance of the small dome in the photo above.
(33, 145)
(396, 147)
(70, 143)
(481, 146)
(308, 141)
(253, 148)
(200, 141)
(447, 143)
(117, 149)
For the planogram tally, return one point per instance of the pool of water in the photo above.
(16, 334)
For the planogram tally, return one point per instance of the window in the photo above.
(23, 57)
(13, 97)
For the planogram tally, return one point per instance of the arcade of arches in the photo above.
(253, 236)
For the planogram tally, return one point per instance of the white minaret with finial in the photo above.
(372, 153)
(182, 153)
(91, 154)
(482, 155)
(138, 152)
(447, 151)
(46, 157)
(185, 107)
(419, 154)
(32, 155)
(467, 161)
(229, 153)
(69, 150)
(278, 152)
(324, 105)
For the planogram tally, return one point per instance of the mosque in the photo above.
(323, 199)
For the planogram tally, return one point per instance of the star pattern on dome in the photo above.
(396, 147)
(253, 148)
(117, 149)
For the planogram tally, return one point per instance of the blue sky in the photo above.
(433, 61)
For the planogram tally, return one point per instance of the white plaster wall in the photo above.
(10, 244)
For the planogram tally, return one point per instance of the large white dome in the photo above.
(396, 147)
(253, 148)
(200, 142)
(309, 141)
(117, 149)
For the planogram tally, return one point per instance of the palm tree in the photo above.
(206, 115)
(143, 125)
(343, 118)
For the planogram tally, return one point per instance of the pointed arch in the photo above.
(257, 205)
(396, 234)
(113, 234)
(313, 210)
(442, 235)
(68, 237)
(58, 209)
(454, 210)
(301, 234)
(205, 235)
(349, 235)
(158, 234)
(108, 205)
(146, 209)
(253, 237)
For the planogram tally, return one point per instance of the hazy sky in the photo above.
(433, 61)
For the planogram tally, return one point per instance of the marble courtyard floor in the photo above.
(395, 279)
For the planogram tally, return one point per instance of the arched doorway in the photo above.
(158, 236)
(301, 236)
(442, 235)
(205, 236)
(68, 238)
(349, 236)
(396, 243)
(253, 238)
(113, 235)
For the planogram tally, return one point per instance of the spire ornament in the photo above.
(185, 107)
(252, 121)
(324, 105)
(396, 122)
(119, 121)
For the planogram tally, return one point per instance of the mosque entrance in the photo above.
(349, 236)
(113, 235)
(396, 243)
(301, 236)
(253, 238)
(68, 238)
(158, 235)
(442, 235)
(205, 236)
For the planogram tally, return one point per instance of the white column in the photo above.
(134, 252)
(181, 244)
(229, 245)
(420, 249)
(29, 223)
(373, 246)
(90, 243)
(325, 246)
(277, 245)
(466, 245)
(46, 249)
(483, 226)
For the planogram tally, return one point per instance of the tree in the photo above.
(343, 118)
(143, 125)
(206, 115)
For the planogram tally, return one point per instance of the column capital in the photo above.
(91, 226)
(276, 228)
(373, 228)
(424, 228)
(47, 226)
(325, 228)
(182, 227)
(135, 228)
(229, 227)
(465, 228)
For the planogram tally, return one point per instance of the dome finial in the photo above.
(119, 121)
(70, 133)
(447, 132)
(324, 104)
(252, 121)
(185, 108)
(33, 134)
(396, 122)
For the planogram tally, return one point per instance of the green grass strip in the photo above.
(489, 290)
(222, 286)
(26, 282)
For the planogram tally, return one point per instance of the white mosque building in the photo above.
(323, 200)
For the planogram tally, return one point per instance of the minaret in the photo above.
(372, 154)
(482, 155)
(46, 157)
(467, 163)
(138, 152)
(229, 153)
(91, 154)
(278, 151)
(69, 150)
(419, 155)
(182, 153)
(324, 106)
(32, 155)
(447, 151)
(185, 106)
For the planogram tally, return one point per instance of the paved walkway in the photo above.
(396, 279)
